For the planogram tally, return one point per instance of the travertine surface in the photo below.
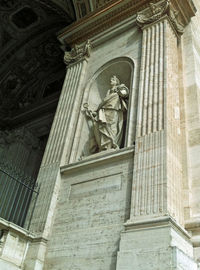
(120, 56)
(14, 244)
(191, 67)
(94, 203)
(155, 247)
(191, 60)
(87, 212)
(157, 167)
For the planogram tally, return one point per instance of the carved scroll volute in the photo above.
(77, 53)
(156, 12)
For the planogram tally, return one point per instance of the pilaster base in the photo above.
(155, 244)
(36, 255)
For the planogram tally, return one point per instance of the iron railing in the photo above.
(16, 192)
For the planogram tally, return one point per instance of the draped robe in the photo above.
(108, 126)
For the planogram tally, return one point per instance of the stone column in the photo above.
(156, 219)
(59, 139)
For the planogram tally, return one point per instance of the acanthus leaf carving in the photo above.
(77, 53)
(157, 11)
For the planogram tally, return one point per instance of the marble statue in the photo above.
(108, 119)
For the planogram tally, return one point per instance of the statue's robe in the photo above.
(108, 129)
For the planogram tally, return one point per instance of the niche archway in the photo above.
(95, 92)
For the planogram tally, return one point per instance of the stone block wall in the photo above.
(94, 203)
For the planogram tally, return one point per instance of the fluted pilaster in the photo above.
(63, 116)
(157, 172)
(59, 139)
(151, 93)
(149, 180)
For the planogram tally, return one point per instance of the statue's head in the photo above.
(114, 80)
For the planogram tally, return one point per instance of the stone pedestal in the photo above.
(155, 244)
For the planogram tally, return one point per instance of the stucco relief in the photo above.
(108, 119)
(156, 11)
(77, 53)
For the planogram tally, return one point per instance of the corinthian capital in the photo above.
(157, 11)
(77, 53)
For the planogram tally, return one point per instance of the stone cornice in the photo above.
(98, 158)
(9, 226)
(153, 222)
(115, 12)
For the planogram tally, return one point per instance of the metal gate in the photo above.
(16, 192)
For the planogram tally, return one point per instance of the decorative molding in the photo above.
(100, 3)
(77, 53)
(99, 20)
(101, 157)
(82, 8)
(64, 9)
(193, 224)
(115, 12)
(153, 222)
(153, 13)
(8, 5)
(8, 226)
(156, 12)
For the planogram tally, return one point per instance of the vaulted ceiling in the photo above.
(31, 61)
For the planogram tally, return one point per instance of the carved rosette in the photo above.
(77, 53)
(156, 12)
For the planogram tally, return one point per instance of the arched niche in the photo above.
(95, 92)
